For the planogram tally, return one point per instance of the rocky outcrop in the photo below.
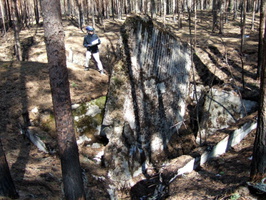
(220, 109)
(146, 100)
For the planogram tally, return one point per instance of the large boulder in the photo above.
(146, 100)
(222, 108)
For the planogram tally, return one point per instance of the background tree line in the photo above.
(19, 14)
(29, 12)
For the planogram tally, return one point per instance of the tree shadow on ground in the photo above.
(15, 105)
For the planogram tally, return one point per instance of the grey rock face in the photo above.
(220, 109)
(146, 100)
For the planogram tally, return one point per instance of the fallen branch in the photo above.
(33, 138)
(261, 187)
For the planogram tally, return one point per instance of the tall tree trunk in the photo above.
(180, 14)
(189, 21)
(214, 15)
(36, 11)
(146, 7)
(68, 150)
(243, 30)
(136, 6)
(100, 12)
(201, 4)
(243, 23)
(119, 10)
(107, 4)
(235, 9)
(8, 10)
(253, 15)
(153, 8)
(16, 25)
(3, 17)
(164, 11)
(113, 9)
(103, 9)
(24, 14)
(195, 25)
(261, 33)
(93, 7)
(222, 8)
(80, 9)
(229, 6)
(159, 7)
(17, 12)
(258, 164)
(69, 7)
(168, 7)
(174, 10)
(7, 187)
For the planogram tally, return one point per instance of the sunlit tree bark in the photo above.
(243, 23)
(128, 6)
(174, 9)
(3, 17)
(16, 26)
(80, 14)
(36, 11)
(261, 33)
(243, 30)
(180, 14)
(119, 9)
(68, 150)
(8, 12)
(113, 9)
(258, 165)
(235, 9)
(214, 15)
(93, 12)
(222, 11)
(153, 8)
(136, 6)
(164, 11)
(253, 16)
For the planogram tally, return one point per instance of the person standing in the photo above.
(91, 42)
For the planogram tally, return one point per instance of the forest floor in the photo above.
(24, 86)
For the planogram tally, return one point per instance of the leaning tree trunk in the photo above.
(7, 187)
(68, 150)
(258, 165)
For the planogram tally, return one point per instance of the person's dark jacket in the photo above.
(91, 42)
